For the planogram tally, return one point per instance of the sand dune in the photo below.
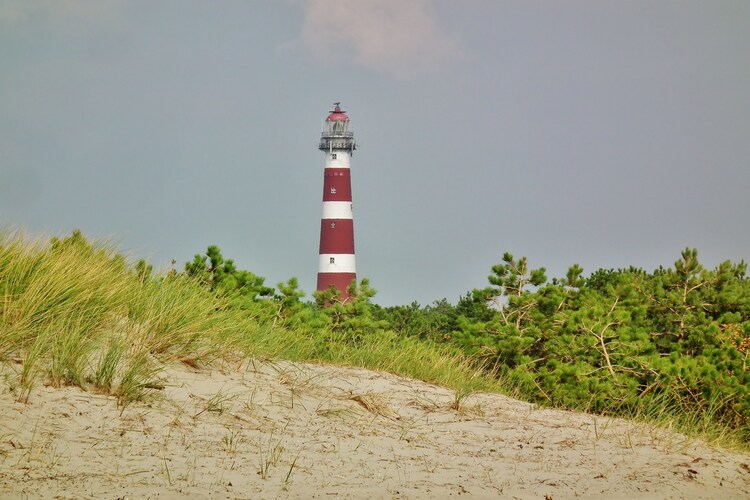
(283, 430)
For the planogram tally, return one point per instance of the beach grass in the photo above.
(78, 313)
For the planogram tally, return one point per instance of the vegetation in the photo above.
(77, 313)
(674, 343)
(670, 346)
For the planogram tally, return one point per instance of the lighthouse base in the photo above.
(340, 280)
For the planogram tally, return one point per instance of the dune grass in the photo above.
(76, 313)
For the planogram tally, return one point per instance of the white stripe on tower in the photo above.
(337, 210)
(341, 160)
(336, 263)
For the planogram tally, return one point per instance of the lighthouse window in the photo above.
(333, 225)
(333, 190)
(333, 260)
(333, 156)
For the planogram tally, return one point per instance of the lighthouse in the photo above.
(336, 255)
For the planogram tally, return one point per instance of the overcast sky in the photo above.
(604, 133)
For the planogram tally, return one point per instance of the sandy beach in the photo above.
(284, 430)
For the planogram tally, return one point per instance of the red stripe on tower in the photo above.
(336, 254)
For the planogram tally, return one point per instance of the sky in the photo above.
(603, 133)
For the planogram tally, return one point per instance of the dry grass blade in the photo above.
(374, 403)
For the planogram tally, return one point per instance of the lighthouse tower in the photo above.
(336, 255)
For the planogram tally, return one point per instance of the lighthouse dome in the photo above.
(337, 115)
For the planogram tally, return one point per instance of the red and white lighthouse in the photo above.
(336, 255)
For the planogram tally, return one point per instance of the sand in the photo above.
(284, 430)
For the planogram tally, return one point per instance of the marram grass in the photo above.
(73, 313)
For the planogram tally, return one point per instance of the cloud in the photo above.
(397, 37)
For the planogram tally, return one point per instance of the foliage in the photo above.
(621, 340)
(222, 276)
(351, 316)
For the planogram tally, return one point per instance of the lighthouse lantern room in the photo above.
(336, 254)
